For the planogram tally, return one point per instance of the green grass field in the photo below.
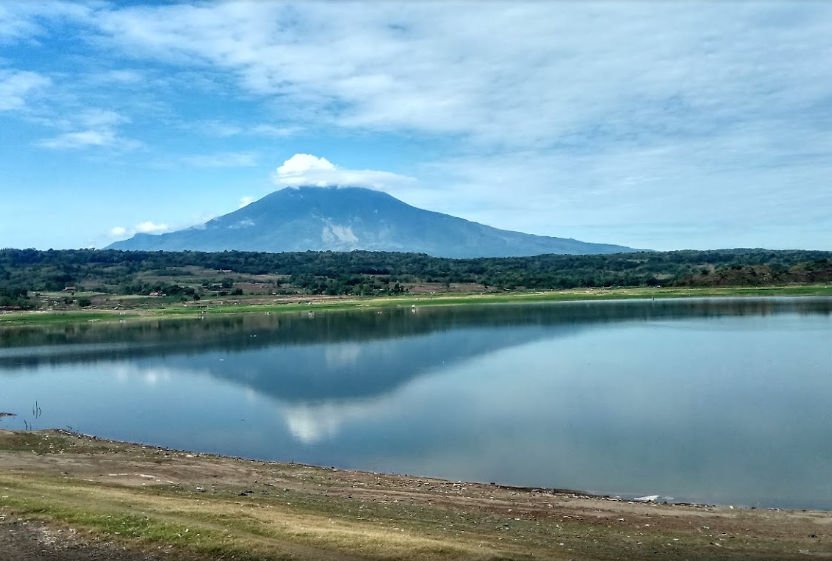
(243, 305)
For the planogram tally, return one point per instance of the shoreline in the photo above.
(577, 493)
(244, 459)
(296, 304)
(140, 499)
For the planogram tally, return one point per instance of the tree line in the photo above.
(190, 274)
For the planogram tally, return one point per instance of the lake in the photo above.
(723, 401)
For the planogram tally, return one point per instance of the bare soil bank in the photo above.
(71, 497)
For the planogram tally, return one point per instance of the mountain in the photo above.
(348, 218)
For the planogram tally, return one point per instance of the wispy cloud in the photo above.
(215, 128)
(222, 160)
(309, 170)
(101, 118)
(503, 73)
(275, 131)
(16, 86)
(80, 139)
(226, 129)
(25, 21)
(95, 128)
(121, 76)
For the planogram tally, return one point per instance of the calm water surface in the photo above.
(724, 401)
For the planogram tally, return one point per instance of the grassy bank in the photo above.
(134, 498)
(244, 305)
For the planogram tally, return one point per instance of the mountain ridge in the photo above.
(354, 218)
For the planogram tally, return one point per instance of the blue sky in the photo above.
(663, 125)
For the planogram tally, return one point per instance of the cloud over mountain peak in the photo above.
(313, 171)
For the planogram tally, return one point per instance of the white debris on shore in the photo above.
(647, 499)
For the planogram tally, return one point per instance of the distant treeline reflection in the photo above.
(26, 346)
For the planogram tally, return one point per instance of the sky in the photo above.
(661, 125)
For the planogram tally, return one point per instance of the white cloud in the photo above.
(222, 160)
(95, 128)
(122, 76)
(226, 129)
(23, 21)
(215, 128)
(246, 200)
(17, 86)
(145, 227)
(309, 170)
(505, 73)
(304, 163)
(14, 26)
(79, 139)
(274, 131)
(148, 227)
(101, 118)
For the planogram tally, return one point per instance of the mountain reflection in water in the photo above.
(707, 399)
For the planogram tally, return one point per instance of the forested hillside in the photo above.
(25, 274)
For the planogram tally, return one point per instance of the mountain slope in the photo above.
(348, 218)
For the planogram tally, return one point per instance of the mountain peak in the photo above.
(347, 218)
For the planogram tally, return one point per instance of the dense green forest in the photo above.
(26, 274)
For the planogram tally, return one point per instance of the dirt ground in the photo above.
(62, 496)
(22, 540)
